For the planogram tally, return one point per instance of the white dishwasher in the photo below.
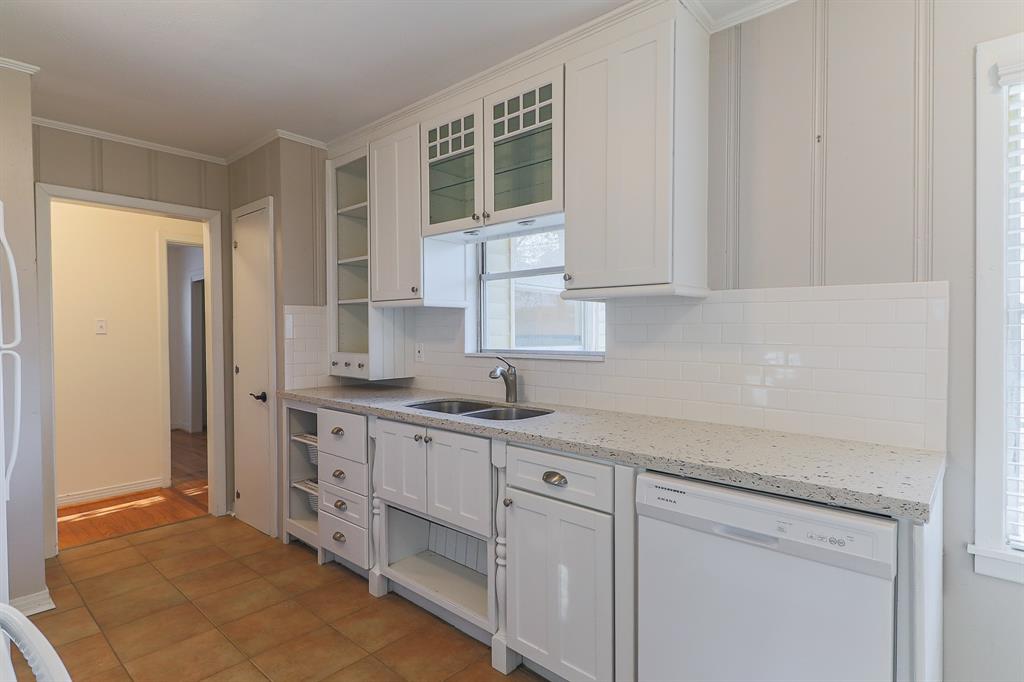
(741, 587)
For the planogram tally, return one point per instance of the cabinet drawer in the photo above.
(343, 504)
(345, 539)
(343, 473)
(342, 434)
(356, 365)
(585, 483)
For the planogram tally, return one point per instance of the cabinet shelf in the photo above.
(441, 577)
(305, 438)
(352, 301)
(357, 211)
(353, 259)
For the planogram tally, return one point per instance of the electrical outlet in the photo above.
(419, 352)
(101, 326)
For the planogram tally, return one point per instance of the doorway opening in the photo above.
(115, 304)
(186, 346)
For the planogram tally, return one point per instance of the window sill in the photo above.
(576, 357)
(1006, 564)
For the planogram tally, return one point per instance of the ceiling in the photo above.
(212, 76)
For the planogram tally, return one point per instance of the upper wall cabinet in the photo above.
(406, 270)
(495, 161)
(636, 165)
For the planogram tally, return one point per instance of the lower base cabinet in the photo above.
(560, 586)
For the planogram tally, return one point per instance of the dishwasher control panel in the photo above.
(763, 519)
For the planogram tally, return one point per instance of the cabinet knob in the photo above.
(334, 363)
(340, 505)
(427, 439)
(338, 473)
(476, 217)
(337, 431)
(417, 438)
(348, 364)
(361, 365)
(338, 536)
(554, 478)
(567, 277)
(486, 215)
(507, 502)
(414, 289)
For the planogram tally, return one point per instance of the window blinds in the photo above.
(1014, 361)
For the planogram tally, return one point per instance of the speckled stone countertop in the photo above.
(881, 479)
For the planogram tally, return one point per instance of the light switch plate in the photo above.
(419, 352)
(101, 326)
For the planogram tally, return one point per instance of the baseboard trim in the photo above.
(111, 491)
(31, 604)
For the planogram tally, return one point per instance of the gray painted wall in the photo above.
(861, 206)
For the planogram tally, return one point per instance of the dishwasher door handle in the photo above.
(744, 535)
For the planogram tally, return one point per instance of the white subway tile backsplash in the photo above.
(305, 347)
(866, 362)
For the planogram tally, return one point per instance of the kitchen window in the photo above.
(999, 433)
(521, 310)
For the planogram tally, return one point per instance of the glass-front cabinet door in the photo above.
(523, 142)
(452, 153)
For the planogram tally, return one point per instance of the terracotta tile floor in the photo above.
(214, 599)
(185, 499)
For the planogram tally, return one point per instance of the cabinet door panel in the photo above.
(560, 586)
(459, 480)
(523, 164)
(453, 179)
(618, 174)
(396, 262)
(400, 465)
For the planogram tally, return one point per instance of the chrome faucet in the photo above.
(510, 377)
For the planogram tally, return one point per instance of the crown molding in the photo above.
(511, 64)
(270, 137)
(6, 63)
(114, 137)
(755, 9)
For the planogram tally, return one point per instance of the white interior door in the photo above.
(254, 380)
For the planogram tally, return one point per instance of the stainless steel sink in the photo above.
(507, 413)
(452, 406)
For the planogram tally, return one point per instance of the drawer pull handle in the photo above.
(554, 478)
(338, 473)
(337, 431)
(340, 505)
(338, 536)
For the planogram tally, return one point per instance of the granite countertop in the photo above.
(881, 479)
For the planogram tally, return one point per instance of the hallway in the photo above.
(187, 497)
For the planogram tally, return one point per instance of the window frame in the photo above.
(483, 277)
(998, 62)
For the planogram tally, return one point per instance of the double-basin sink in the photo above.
(479, 410)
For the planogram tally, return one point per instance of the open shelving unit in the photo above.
(442, 564)
(300, 516)
(366, 342)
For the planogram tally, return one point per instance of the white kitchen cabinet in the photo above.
(400, 473)
(636, 165)
(459, 480)
(365, 342)
(560, 588)
(496, 160)
(395, 248)
(453, 188)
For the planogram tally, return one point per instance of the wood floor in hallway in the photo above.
(187, 498)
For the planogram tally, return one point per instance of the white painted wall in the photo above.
(182, 263)
(109, 427)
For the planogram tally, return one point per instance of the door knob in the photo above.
(262, 397)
